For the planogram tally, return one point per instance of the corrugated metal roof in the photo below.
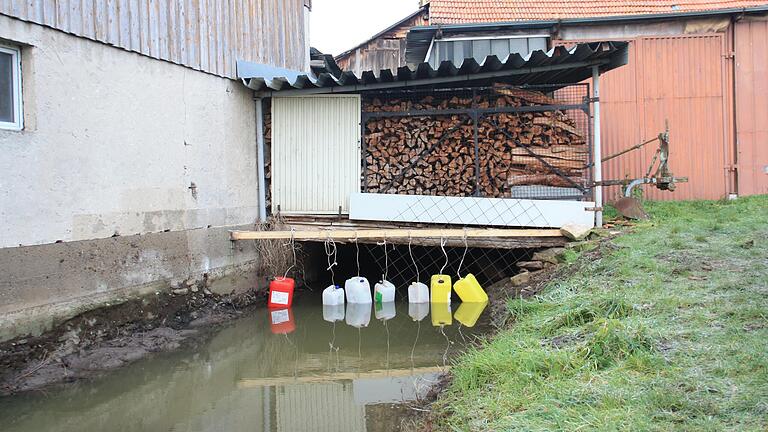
(559, 65)
(420, 38)
(475, 11)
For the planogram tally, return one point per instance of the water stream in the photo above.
(284, 370)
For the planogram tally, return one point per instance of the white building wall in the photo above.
(113, 141)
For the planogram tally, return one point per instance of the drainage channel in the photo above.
(287, 370)
(308, 367)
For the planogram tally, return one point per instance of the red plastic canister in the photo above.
(280, 292)
(281, 321)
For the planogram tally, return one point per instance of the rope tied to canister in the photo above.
(330, 251)
(292, 244)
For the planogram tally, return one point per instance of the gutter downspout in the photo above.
(260, 160)
(598, 156)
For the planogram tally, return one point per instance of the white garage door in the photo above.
(315, 153)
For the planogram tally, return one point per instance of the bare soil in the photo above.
(107, 338)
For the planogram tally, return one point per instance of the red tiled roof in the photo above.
(477, 11)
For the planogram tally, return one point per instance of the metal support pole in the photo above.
(598, 156)
(260, 160)
(476, 142)
(364, 151)
(477, 154)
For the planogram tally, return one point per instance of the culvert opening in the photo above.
(403, 266)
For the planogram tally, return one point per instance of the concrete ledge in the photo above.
(46, 284)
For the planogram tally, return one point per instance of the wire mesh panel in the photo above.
(403, 266)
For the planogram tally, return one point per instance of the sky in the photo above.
(338, 25)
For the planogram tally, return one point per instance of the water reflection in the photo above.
(385, 311)
(418, 311)
(333, 313)
(304, 368)
(358, 314)
(441, 314)
(281, 321)
(468, 313)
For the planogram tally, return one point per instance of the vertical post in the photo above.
(476, 142)
(598, 156)
(364, 150)
(260, 160)
(477, 154)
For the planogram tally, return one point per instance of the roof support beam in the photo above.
(431, 81)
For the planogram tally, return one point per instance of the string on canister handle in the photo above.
(386, 257)
(292, 243)
(410, 252)
(330, 251)
(442, 247)
(466, 247)
(357, 254)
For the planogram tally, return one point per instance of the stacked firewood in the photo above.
(435, 155)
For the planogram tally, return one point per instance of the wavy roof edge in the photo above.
(558, 65)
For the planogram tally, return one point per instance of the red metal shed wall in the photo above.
(677, 78)
(751, 51)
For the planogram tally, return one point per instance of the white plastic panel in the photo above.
(315, 153)
(506, 212)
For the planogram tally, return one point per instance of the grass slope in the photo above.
(668, 330)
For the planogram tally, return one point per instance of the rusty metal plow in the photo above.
(629, 206)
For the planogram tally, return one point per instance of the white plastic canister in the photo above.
(333, 295)
(358, 290)
(384, 292)
(418, 293)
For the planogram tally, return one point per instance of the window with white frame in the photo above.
(11, 116)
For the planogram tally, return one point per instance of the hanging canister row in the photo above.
(357, 290)
(359, 315)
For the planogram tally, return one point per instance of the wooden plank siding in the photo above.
(383, 51)
(206, 35)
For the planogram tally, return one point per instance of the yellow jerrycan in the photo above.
(441, 314)
(440, 287)
(468, 313)
(469, 290)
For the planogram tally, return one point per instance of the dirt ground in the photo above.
(107, 338)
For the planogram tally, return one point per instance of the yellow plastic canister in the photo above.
(440, 287)
(469, 290)
(468, 313)
(441, 314)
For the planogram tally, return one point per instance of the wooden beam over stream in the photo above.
(474, 237)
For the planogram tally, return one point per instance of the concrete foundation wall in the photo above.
(126, 176)
(44, 284)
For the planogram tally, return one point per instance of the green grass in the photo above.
(666, 330)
